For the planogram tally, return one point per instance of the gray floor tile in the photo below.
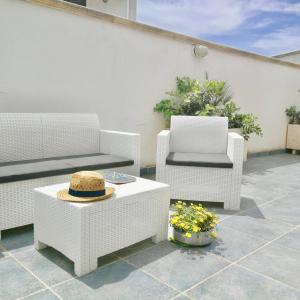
(278, 262)
(135, 248)
(257, 225)
(236, 283)
(17, 239)
(117, 281)
(264, 191)
(178, 266)
(291, 240)
(44, 295)
(48, 264)
(232, 244)
(15, 281)
(286, 209)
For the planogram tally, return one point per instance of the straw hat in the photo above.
(86, 186)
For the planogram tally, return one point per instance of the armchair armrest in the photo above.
(235, 149)
(122, 144)
(163, 149)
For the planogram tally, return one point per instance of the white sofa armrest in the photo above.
(123, 144)
(163, 149)
(235, 150)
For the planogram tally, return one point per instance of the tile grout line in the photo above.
(256, 206)
(12, 256)
(32, 294)
(236, 263)
(40, 280)
(154, 277)
(181, 294)
(269, 277)
(263, 239)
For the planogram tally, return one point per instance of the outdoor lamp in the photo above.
(200, 51)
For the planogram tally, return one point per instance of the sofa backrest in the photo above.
(26, 136)
(199, 134)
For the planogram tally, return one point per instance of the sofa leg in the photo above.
(0, 235)
(39, 245)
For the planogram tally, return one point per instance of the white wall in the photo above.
(291, 57)
(123, 8)
(54, 61)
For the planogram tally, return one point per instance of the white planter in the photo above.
(197, 239)
(293, 137)
(240, 131)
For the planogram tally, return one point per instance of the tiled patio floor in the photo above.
(257, 255)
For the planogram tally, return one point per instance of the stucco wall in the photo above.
(123, 8)
(55, 61)
(293, 57)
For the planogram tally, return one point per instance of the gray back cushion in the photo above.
(26, 136)
(199, 134)
(70, 134)
(21, 137)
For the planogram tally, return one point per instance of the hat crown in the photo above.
(87, 181)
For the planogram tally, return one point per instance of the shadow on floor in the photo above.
(17, 238)
(263, 165)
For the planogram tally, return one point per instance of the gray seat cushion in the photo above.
(30, 169)
(199, 160)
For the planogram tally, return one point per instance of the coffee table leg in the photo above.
(84, 267)
(39, 245)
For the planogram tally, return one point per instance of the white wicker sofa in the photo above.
(42, 149)
(200, 160)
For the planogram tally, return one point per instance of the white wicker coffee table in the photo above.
(85, 231)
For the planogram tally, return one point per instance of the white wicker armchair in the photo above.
(43, 149)
(200, 160)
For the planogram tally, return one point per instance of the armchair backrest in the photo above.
(26, 136)
(199, 134)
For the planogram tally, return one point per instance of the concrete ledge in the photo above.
(267, 153)
(83, 11)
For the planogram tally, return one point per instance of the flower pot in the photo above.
(293, 137)
(240, 132)
(197, 239)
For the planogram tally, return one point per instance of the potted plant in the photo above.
(210, 98)
(193, 224)
(243, 124)
(293, 131)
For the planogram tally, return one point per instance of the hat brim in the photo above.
(65, 196)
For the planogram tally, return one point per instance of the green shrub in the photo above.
(210, 98)
(293, 114)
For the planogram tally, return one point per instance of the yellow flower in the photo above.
(188, 235)
(212, 225)
(179, 206)
(196, 229)
(213, 234)
(201, 220)
(209, 214)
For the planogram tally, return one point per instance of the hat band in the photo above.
(86, 193)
